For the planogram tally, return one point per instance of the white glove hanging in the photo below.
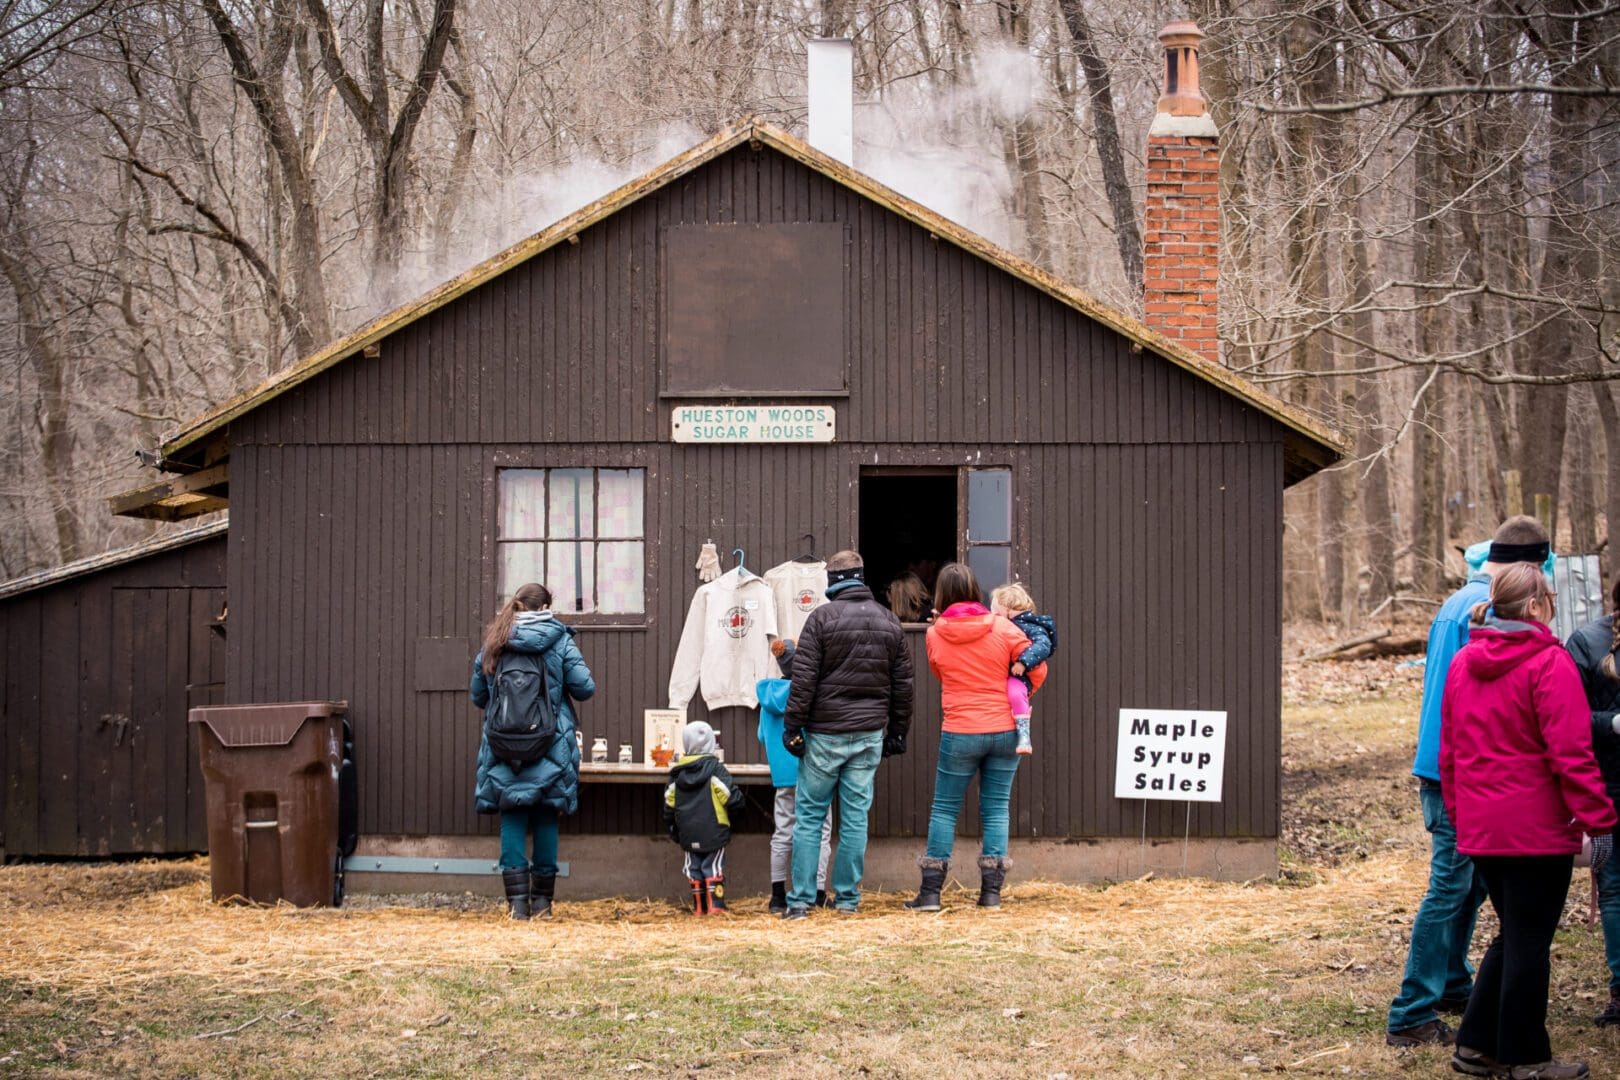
(708, 564)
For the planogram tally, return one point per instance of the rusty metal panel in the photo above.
(754, 309)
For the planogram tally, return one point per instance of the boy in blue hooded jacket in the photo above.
(773, 695)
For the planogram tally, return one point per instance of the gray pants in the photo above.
(782, 840)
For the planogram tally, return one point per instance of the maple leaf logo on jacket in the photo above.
(737, 621)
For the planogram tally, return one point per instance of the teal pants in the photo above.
(516, 827)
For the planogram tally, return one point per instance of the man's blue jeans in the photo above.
(995, 759)
(1437, 964)
(515, 828)
(1609, 911)
(842, 767)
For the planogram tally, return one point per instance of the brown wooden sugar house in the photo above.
(757, 345)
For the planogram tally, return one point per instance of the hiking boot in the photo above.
(541, 890)
(1435, 1033)
(1475, 1063)
(1547, 1070)
(796, 913)
(1452, 1005)
(992, 876)
(778, 904)
(517, 893)
(1611, 1011)
(716, 888)
(933, 880)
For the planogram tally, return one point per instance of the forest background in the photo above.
(1420, 212)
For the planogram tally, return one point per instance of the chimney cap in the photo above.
(1181, 96)
(1181, 35)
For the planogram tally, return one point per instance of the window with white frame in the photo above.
(579, 532)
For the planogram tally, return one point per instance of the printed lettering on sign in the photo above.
(752, 423)
(1170, 754)
(805, 600)
(737, 622)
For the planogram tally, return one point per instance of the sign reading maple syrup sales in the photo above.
(1170, 754)
(752, 423)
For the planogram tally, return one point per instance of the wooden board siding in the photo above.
(1147, 510)
(1158, 562)
(943, 347)
(100, 670)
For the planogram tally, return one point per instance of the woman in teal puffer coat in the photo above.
(530, 797)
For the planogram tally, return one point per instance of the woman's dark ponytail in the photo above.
(530, 597)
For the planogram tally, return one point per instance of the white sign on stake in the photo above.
(1172, 754)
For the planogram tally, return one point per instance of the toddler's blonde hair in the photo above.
(1012, 597)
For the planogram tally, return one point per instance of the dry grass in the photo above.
(128, 970)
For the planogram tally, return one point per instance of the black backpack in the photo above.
(520, 723)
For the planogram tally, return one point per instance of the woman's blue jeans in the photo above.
(994, 758)
(1609, 910)
(516, 825)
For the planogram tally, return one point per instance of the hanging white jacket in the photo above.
(724, 645)
(798, 588)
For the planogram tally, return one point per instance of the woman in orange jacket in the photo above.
(970, 651)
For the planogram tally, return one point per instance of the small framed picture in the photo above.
(662, 731)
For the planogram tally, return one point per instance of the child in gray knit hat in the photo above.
(698, 803)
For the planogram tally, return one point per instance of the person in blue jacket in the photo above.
(531, 796)
(773, 695)
(1438, 976)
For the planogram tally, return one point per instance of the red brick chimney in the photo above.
(1182, 224)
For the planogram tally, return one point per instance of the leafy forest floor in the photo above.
(128, 970)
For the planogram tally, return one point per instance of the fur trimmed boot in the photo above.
(541, 890)
(517, 892)
(992, 876)
(933, 880)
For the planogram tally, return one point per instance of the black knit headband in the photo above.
(855, 573)
(1502, 554)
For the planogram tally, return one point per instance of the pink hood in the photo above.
(1516, 765)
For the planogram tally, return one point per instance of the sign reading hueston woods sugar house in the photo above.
(751, 423)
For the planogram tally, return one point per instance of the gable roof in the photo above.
(1308, 446)
(109, 559)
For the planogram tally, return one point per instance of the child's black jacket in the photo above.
(698, 802)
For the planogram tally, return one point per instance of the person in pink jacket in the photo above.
(1521, 786)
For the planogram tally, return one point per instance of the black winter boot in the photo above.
(517, 892)
(1611, 1012)
(541, 890)
(778, 898)
(933, 880)
(992, 876)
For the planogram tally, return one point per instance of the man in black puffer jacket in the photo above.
(849, 707)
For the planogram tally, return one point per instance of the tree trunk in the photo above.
(1110, 154)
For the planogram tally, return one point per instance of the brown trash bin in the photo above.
(271, 774)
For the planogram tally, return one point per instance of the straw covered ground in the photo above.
(128, 970)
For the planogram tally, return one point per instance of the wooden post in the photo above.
(1515, 492)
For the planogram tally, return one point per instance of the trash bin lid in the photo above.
(273, 724)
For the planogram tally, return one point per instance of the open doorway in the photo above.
(908, 526)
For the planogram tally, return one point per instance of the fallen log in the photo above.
(1350, 643)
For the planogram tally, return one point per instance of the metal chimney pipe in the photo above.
(831, 64)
